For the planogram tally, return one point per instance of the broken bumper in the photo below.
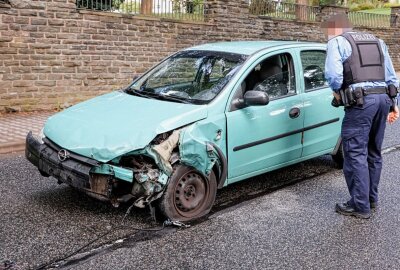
(101, 180)
(45, 156)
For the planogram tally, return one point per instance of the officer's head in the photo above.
(336, 25)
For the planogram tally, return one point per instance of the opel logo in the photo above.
(63, 155)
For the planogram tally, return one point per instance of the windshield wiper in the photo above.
(138, 93)
(147, 94)
(174, 98)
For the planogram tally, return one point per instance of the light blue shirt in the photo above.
(338, 50)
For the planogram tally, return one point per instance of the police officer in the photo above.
(359, 70)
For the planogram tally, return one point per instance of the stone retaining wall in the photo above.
(53, 56)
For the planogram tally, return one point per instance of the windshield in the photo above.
(189, 76)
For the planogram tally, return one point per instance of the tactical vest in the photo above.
(366, 62)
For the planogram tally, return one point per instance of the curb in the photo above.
(15, 127)
(8, 148)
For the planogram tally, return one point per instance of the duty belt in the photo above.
(355, 96)
(373, 90)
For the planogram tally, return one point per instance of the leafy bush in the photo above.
(130, 7)
(99, 4)
(389, 5)
(331, 2)
(189, 5)
(366, 6)
(354, 8)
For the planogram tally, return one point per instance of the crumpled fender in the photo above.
(195, 147)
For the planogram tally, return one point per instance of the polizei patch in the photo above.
(363, 37)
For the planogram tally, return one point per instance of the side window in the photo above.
(273, 75)
(313, 63)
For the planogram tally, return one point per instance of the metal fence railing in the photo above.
(283, 10)
(369, 19)
(192, 10)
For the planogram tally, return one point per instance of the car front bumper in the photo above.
(74, 170)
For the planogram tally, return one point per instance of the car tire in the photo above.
(338, 158)
(189, 195)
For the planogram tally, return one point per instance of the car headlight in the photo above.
(40, 136)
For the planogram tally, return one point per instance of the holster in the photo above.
(358, 95)
(392, 91)
(347, 97)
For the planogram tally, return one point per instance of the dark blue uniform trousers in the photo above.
(363, 129)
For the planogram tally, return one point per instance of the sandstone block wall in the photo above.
(53, 55)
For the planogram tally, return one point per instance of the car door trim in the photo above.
(280, 136)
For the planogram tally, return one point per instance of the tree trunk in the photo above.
(301, 10)
(146, 7)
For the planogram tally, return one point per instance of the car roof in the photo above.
(248, 47)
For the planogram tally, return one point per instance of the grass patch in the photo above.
(369, 19)
(382, 11)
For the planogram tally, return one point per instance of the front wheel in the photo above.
(189, 195)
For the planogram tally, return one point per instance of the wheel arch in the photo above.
(337, 146)
(221, 168)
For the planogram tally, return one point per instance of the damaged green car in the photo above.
(203, 118)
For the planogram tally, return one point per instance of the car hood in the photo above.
(111, 125)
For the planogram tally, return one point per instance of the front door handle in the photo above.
(294, 112)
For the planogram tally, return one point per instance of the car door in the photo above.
(263, 137)
(321, 120)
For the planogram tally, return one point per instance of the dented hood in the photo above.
(108, 126)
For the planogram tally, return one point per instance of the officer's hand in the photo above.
(393, 116)
(336, 96)
(335, 102)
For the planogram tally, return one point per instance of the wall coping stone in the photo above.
(265, 17)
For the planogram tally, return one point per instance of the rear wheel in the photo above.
(338, 158)
(189, 195)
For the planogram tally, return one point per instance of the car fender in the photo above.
(198, 148)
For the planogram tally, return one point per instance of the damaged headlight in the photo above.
(40, 136)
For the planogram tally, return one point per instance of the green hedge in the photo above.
(99, 4)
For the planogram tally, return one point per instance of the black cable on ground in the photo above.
(113, 229)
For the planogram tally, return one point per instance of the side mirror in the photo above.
(256, 98)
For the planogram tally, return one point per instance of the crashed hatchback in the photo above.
(203, 118)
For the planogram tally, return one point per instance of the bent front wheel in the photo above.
(189, 194)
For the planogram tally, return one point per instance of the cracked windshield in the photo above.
(189, 77)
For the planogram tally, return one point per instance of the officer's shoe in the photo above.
(347, 210)
(373, 205)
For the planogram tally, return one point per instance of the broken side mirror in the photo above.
(256, 98)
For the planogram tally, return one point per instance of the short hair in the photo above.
(337, 21)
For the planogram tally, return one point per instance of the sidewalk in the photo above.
(14, 127)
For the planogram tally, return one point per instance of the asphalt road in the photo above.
(280, 220)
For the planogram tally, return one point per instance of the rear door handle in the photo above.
(294, 112)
